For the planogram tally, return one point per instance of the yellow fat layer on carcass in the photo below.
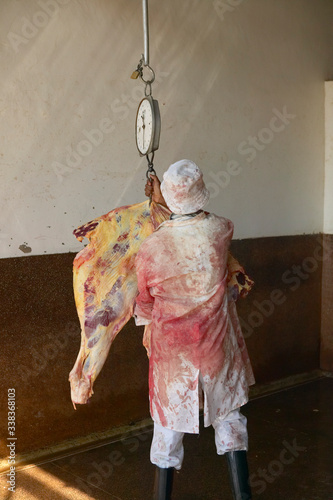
(105, 284)
(127, 224)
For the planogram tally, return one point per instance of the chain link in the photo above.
(152, 79)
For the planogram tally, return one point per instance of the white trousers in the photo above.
(167, 448)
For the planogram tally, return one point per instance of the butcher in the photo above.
(196, 349)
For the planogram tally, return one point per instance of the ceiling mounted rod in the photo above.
(145, 31)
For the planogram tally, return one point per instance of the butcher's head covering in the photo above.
(183, 188)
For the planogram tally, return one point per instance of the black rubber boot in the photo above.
(239, 475)
(163, 483)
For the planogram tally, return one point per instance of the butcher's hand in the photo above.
(153, 189)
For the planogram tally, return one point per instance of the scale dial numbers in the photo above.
(148, 126)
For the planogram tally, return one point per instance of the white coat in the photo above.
(192, 331)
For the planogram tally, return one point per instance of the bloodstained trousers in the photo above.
(167, 448)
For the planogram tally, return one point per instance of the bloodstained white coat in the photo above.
(192, 333)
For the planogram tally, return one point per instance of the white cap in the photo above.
(183, 188)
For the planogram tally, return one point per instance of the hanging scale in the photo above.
(148, 119)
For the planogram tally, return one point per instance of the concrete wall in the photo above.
(224, 77)
(241, 92)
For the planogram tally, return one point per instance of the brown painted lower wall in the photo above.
(281, 317)
(40, 338)
(326, 352)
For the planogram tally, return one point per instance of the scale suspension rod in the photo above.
(145, 31)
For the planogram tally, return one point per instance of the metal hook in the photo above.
(150, 160)
(149, 82)
(150, 171)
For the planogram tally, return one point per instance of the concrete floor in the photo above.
(290, 458)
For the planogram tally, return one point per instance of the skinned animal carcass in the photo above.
(105, 285)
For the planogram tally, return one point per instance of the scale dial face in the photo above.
(145, 126)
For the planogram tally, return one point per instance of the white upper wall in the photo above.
(241, 91)
(328, 201)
